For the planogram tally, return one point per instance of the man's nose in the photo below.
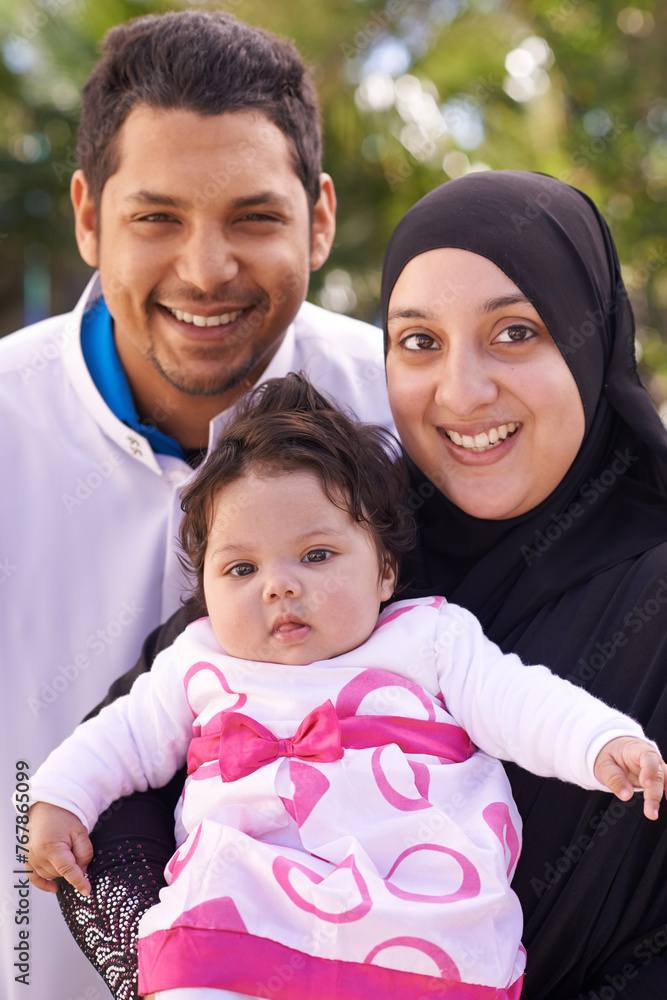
(207, 259)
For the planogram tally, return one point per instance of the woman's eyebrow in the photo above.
(409, 312)
(502, 301)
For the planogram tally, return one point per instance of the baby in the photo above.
(346, 829)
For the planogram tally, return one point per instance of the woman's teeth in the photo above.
(223, 320)
(483, 441)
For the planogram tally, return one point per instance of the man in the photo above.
(201, 203)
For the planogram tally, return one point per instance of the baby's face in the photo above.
(288, 576)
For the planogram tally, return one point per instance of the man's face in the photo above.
(204, 242)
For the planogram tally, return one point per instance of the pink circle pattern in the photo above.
(282, 867)
(470, 883)
(497, 817)
(204, 665)
(446, 965)
(352, 695)
(395, 798)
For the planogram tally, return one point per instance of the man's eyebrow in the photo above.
(145, 197)
(263, 198)
(155, 198)
(502, 301)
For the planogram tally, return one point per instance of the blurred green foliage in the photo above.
(413, 92)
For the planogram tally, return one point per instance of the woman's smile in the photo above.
(480, 442)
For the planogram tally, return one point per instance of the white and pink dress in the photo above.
(340, 834)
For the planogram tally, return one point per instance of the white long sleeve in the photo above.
(139, 741)
(522, 713)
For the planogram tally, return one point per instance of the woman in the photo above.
(539, 472)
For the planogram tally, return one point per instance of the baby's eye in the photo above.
(316, 556)
(243, 569)
(515, 335)
(418, 342)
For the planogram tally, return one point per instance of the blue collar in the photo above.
(106, 371)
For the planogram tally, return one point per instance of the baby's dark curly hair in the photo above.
(284, 425)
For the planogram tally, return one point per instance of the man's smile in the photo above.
(203, 321)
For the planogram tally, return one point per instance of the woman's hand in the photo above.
(626, 765)
(59, 847)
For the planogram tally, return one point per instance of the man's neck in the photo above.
(183, 417)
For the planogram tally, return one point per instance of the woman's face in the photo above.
(482, 397)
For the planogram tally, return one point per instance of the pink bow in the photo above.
(246, 745)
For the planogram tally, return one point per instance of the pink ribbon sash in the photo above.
(242, 745)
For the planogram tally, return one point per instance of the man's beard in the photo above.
(201, 385)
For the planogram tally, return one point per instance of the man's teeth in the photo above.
(480, 442)
(186, 317)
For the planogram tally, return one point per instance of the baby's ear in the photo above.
(388, 579)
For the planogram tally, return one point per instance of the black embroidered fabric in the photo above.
(125, 883)
(126, 875)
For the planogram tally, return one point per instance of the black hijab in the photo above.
(587, 596)
(550, 240)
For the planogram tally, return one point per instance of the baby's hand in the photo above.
(59, 847)
(626, 764)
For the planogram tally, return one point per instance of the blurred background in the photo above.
(413, 92)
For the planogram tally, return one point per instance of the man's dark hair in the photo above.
(286, 425)
(201, 61)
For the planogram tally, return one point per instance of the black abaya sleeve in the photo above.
(133, 841)
(631, 978)
(592, 877)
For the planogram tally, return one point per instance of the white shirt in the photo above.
(88, 560)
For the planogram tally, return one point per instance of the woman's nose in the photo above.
(207, 259)
(464, 382)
